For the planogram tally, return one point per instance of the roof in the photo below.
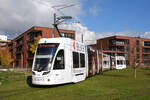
(125, 37)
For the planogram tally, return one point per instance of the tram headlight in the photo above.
(45, 73)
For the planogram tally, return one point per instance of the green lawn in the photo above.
(112, 85)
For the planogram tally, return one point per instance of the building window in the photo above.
(68, 35)
(20, 48)
(30, 54)
(146, 50)
(20, 41)
(18, 56)
(137, 56)
(146, 43)
(146, 56)
(30, 63)
(17, 63)
(137, 49)
(137, 42)
(34, 34)
(118, 41)
(10, 46)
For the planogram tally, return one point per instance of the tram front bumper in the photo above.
(42, 81)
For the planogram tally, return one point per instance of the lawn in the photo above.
(112, 85)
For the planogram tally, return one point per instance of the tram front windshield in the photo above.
(44, 56)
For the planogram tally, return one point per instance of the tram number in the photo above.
(39, 79)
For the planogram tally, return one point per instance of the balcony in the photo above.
(146, 56)
(118, 42)
(119, 48)
(33, 34)
(20, 41)
(146, 43)
(20, 48)
(146, 62)
(18, 56)
(146, 50)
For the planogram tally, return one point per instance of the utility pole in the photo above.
(59, 20)
(82, 37)
(54, 25)
(102, 55)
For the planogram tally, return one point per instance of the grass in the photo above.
(112, 85)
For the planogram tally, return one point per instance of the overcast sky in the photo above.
(98, 18)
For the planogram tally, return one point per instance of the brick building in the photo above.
(19, 47)
(134, 49)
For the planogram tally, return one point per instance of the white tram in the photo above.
(59, 61)
(63, 60)
(106, 62)
(118, 62)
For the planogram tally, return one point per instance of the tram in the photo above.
(106, 62)
(118, 62)
(59, 61)
(63, 60)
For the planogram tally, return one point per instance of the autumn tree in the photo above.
(5, 58)
(34, 44)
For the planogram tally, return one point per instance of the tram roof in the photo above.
(57, 40)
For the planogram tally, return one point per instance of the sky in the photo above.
(98, 18)
(117, 15)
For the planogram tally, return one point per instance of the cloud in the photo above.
(104, 34)
(88, 36)
(94, 10)
(146, 35)
(124, 33)
(19, 15)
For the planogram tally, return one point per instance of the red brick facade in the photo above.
(19, 47)
(133, 48)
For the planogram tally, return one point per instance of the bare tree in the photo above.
(134, 60)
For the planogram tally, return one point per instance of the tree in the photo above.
(34, 44)
(134, 61)
(5, 58)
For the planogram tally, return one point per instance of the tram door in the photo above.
(60, 68)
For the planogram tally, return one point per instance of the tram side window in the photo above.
(119, 62)
(59, 61)
(124, 62)
(82, 60)
(105, 63)
(75, 60)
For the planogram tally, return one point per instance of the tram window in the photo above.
(118, 62)
(59, 61)
(105, 63)
(124, 62)
(121, 62)
(82, 60)
(75, 60)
